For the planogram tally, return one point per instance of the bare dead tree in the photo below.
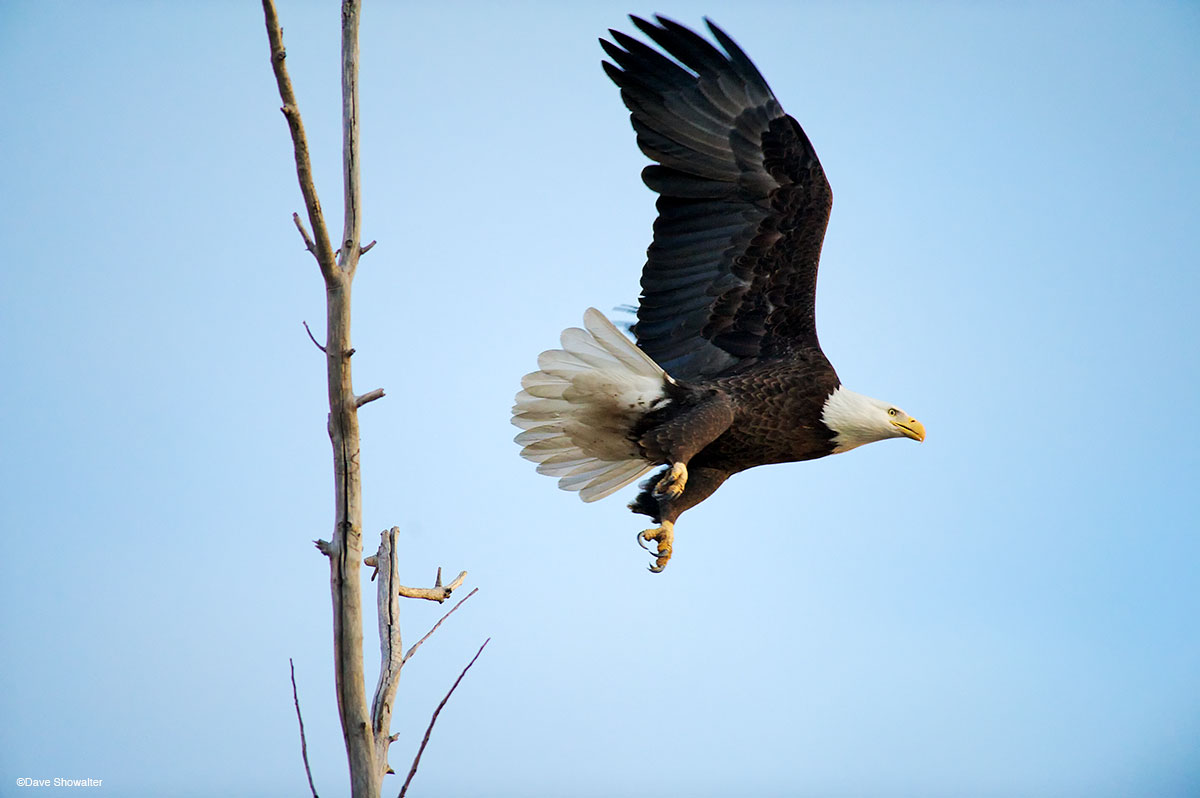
(366, 728)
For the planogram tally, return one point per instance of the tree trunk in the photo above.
(366, 731)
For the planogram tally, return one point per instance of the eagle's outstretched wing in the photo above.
(731, 275)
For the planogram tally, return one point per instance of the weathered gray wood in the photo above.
(352, 229)
(366, 732)
(391, 648)
(321, 248)
(345, 548)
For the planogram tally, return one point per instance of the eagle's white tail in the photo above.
(578, 409)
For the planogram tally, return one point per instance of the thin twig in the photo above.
(366, 248)
(312, 338)
(417, 644)
(308, 242)
(303, 743)
(417, 760)
(436, 593)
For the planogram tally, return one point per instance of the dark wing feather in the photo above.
(743, 203)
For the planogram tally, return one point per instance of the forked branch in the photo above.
(320, 246)
(391, 649)
(391, 661)
(438, 592)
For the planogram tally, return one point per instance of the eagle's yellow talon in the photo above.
(663, 536)
(672, 483)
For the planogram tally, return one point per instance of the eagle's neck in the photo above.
(854, 419)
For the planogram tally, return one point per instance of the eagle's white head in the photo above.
(856, 419)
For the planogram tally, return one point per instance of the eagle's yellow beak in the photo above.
(911, 429)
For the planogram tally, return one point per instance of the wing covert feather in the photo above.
(730, 277)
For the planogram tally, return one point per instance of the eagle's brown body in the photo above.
(769, 413)
(727, 373)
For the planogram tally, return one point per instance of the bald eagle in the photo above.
(727, 372)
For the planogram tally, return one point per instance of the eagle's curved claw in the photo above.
(664, 536)
(672, 483)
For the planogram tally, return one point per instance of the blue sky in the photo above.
(1008, 609)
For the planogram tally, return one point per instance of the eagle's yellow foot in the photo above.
(672, 483)
(663, 536)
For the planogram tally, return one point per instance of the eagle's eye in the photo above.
(891, 411)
